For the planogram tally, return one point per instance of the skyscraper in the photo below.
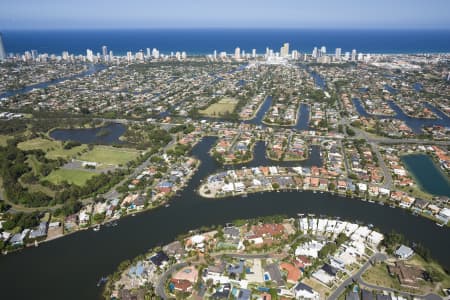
(337, 54)
(284, 51)
(354, 55)
(2, 49)
(237, 53)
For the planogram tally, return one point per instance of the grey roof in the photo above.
(404, 251)
(303, 287)
(244, 294)
(274, 273)
(352, 295)
(40, 231)
(231, 231)
(16, 239)
(383, 297)
(236, 269)
(366, 295)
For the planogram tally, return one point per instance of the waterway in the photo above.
(428, 176)
(106, 135)
(257, 120)
(303, 117)
(69, 268)
(92, 68)
(416, 124)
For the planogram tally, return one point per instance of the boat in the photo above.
(36, 243)
(167, 205)
(97, 227)
(244, 195)
(102, 281)
(440, 224)
(371, 201)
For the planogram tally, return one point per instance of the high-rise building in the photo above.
(155, 53)
(323, 50)
(104, 51)
(34, 54)
(2, 49)
(284, 50)
(89, 55)
(315, 53)
(337, 54)
(254, 53)
(237, 53)
(353, 54)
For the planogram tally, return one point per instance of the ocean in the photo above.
(205, 41)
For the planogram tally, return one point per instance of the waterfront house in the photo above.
(404, 252)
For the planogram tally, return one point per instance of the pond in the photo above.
(106, 135)
(427, 174)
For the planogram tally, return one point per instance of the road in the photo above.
(112, 193)
(357, 276)
(161, 286)
(387, 182)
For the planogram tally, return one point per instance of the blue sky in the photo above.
(61, 14)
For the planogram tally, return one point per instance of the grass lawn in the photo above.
(77, 177)
(3, 139)
(110, 155)
(317, 286)
(378, 274)
(53, 149)
(225, 105)
(34, 164)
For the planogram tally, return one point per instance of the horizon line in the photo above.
(225, 28)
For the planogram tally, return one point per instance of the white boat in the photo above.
(97, 228)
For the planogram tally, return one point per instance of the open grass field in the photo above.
(110, 155)
(77, 177)
(225, 105)
(53, 149)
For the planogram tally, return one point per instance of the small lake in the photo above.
(427, 174)
(107, 135)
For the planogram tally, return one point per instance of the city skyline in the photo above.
(83, 14)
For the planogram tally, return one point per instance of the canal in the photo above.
(69, 268)
(416, 124)
(92, 68)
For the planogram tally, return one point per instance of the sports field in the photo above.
(77, 177)
(110, 155)
(215, 110)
